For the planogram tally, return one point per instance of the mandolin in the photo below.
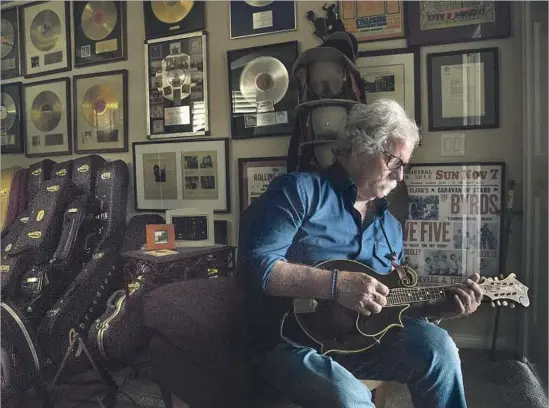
(330, 327)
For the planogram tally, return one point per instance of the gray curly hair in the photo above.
(371, 128)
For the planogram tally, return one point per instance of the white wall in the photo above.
(502, 144)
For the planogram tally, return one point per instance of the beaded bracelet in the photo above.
(335, 272)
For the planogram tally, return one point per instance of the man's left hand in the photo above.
(465, 300)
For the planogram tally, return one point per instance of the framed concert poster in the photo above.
(194, 227)
(263, 94)
(11, 113)
(191, 173)
(372, 20)
(177, 86)
(46, 38)
(255, 175)
(47, 118)
(455, 222)
(166, 18)
(249, 18)
(11, 54)
(393, 74)
(99, 32)
(463, 89)
(101, 112)
(444, 22)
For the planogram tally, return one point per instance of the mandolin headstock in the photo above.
(501, 291)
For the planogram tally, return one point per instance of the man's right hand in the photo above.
(361, 292)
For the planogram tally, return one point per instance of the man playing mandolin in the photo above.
(341, 213)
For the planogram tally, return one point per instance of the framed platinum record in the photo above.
(177, 86)
(249, 18)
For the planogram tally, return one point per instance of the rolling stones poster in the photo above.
(455, 224)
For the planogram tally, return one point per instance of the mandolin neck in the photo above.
(405, 296)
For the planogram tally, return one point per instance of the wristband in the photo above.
(335, 272)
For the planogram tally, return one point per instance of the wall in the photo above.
(502, 144)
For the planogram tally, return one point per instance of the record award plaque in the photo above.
(101, 112)
(11, 124)
(46, 38)
(249, 18)
(177, 90)
(99, 32)
(47, 118)
(9, 27)
(262, 91)
(165, 18)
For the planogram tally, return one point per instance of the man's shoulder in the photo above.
(301, 180)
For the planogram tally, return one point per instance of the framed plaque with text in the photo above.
(249, 18)
(372, 20)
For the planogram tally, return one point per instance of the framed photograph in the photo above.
(372, 20)
(250, 18)
(46, 37)
(166, 18)
(221, 232)
(445, 22)
(99, 32)
(160, 236)
(177, 86)
(255, 175)
(11, 53)
(11, 125)
(194, 227)
(393, 74)
(47, 118)
(262, 91)
(101, 112)
(463, 89)
(455, 221)
(185, 174)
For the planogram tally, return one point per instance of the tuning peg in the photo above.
(512, 305)
(501, 276)
(496, 279)
(498, 303)
(493, 305)
(505, 303)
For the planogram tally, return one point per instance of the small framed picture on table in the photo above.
(194, 227)
(160, 236)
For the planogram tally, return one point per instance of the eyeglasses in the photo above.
(394, 163)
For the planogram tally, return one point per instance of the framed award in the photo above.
(393, 74)
(46, 38)
(263, 94)
(177, 86)
(463, 89)
(47, 118)
(441, 22)
(101, 112)
(249, 18)
(11, 55)
(166, 18)
(99, 32)
(372, 20)
(11, 114)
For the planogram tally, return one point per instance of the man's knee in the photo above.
(437, 348)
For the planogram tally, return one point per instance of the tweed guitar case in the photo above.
(61, 170)
(17, 202)
(7, 176)
(38, 173)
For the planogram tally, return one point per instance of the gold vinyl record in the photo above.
(45, 30)
(98, 19)
(100, 107)
(8, 111)
(257, 3)
(264, 79)
(46, 111)
(8, 37)
(171, 12)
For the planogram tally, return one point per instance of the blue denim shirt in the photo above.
(307, 218)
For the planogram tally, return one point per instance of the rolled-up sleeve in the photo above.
(268, 227)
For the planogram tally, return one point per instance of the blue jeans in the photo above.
(421, 355)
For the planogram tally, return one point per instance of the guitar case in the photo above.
(84, 173)
(37, 174)
(17, 202)
(61, 170)
(6, 180)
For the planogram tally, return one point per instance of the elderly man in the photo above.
(341, 213)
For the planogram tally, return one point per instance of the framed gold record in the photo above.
(45, 38)
(99, 32)
(11, 44)
(47, 118)
(101, 112)
(11, 112)
(165, 18)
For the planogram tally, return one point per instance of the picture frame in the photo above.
(221, 232)
(194, 227)
(252, 18)
(101, 112)
(254, 176)
(47, 118)
(399, 65)
(163, 19)
(11, 27)
(179, 174)
(262, 113)
(160, 236)
(12, 125)
(176, 69)
(373, 20)
(456, 219)
(432, 23)
(46, 54)
(463, 89)
(100, 33)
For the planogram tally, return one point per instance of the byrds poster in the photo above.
(454, 226)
